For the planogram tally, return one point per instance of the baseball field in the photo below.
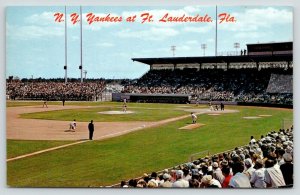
(42, 152)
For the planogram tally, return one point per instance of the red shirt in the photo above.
(226, 181)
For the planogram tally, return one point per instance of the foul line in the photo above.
(43, 151)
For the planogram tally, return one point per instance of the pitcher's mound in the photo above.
(251, 117)
(192, 126)
(214, 114)
(116, 112)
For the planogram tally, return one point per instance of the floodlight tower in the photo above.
(173, 48)
(236, 46)
(80, 66)
(66, 47)
(203, 46)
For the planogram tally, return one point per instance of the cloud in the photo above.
(105, 44)
(153, 33)
(43, 19)
(32, 31)
(257, 18)
(200, 29)
(192, 42)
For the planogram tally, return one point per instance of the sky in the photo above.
(35, 42)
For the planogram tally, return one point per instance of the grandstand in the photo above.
(258, 77)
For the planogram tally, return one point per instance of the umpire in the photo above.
(91, 129)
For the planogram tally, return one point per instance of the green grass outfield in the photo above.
(106, 162)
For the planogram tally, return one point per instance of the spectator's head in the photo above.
(215, 165)
(206, 179)
(179, 174)
(186, 171)
(269, 163)
(123, 184)
(258, 164)
(141, 184)
(166, 177)
(194, 183)
(288, 158)
(132, 183)
(152, 184)
(154, 175)
(226, 171)
(248, 163)
(237, 167)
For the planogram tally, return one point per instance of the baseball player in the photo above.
(194, 117)
(73, 125)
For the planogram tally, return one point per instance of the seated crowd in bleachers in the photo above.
(239, 85)
(54, 90)
(265, 163)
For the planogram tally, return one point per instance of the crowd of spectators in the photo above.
(243, 85)
(280, 84)
(54, 90)
(263, 163)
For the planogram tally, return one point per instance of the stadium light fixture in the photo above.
(203, 46)
(173, 48)
(236, 46)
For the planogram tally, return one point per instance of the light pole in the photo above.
(236, 46)
(203, 46)
(173, 48)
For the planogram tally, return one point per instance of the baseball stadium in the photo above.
(144, 135)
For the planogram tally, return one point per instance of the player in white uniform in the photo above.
(124, 105)
(194, 117)
(73, 125)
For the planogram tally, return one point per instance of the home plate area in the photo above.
(192, 126)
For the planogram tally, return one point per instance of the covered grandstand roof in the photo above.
(216, 59)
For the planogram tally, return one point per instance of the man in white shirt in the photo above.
(180, 182)
(273, 175)
(239, 179)
(258, 176)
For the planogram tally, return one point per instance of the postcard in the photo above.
(149, 96)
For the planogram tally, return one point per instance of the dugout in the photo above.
(153, 98)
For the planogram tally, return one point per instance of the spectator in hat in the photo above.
(258, 177)
(208, 181)
(273, 175)
(180, 182)
(252, 141)
(287, 169)
(167, 183)
(248, 167)
(141, 184)
(152, 184)
(217, 173)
